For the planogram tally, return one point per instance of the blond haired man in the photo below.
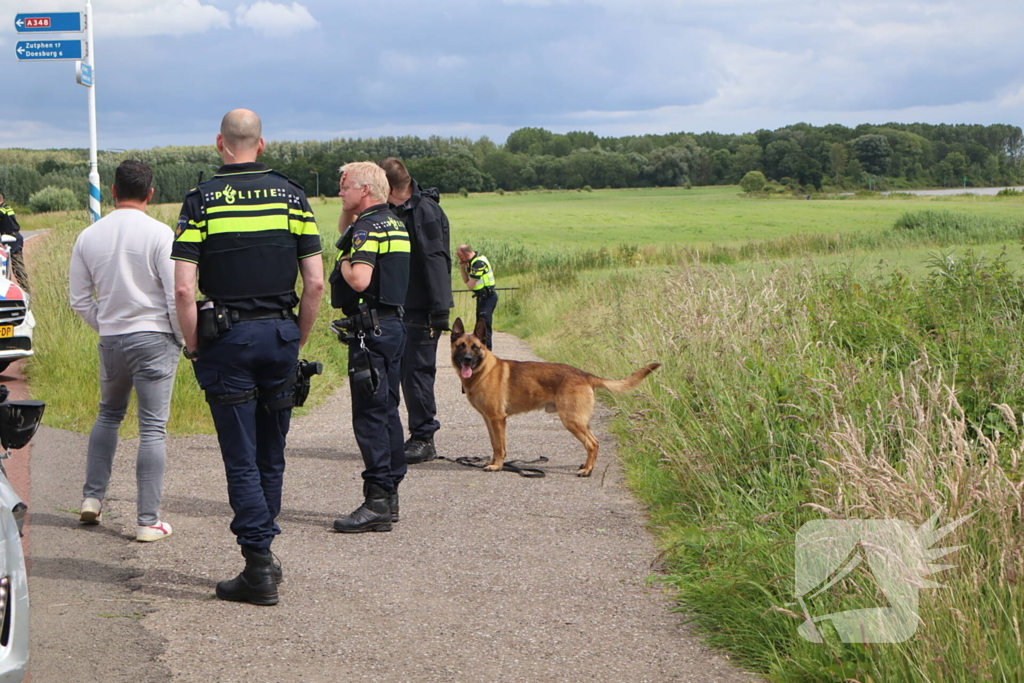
(368, 284)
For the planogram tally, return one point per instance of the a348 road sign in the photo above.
(49, 22)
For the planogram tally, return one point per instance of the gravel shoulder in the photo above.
(488, 577)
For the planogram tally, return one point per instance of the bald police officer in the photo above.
(248, 232)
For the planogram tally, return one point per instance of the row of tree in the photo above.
(802, 156)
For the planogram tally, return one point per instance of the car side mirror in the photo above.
(19, 421)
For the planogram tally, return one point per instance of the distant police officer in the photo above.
(426, 305)
(9, 226)
(248, 232)
(369, 285)
(478, 275)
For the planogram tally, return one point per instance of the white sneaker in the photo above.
(89, 512)
(152, 533)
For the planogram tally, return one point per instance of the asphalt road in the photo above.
(488, 577)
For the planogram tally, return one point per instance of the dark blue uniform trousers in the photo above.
(375, 420)
(419, 369)
(253, 354)
(485, 306)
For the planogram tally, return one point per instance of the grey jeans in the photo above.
(145, 361)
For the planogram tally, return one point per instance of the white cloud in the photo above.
(273, 19)
(138, 18)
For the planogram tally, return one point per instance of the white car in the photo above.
(16, 319)
(18, 422)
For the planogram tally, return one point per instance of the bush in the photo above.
(1009, 192)
(588, 188)
(54, 199)
(753, 181)
(464, 192)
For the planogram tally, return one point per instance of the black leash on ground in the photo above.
(508, 466)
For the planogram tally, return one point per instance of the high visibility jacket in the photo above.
(481, 271)
(378, 239)
(246, 229)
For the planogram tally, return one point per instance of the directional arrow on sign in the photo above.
(49, 22)
(49, 50)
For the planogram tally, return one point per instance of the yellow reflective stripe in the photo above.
(397, 247)
(302, 222)
(244, 224)
(303, 228)
(195, 232)
(226, 208)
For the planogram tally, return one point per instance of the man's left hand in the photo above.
(439, 321)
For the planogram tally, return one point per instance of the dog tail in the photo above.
(619, 386)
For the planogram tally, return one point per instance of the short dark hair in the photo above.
(397, 173)
(132, 180)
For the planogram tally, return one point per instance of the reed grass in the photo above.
(801, 394)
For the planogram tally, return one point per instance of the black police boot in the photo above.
(255, 584)
(419, 450)
(373, 515)
(393, 505)
(275, 569)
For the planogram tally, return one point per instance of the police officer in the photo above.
(248, 232)
(369, 285)
(478, 275)
(426, 305)
(9, 226)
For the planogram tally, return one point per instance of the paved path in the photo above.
(488, 577)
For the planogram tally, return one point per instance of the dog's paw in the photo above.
(583, 471)
(492, 468)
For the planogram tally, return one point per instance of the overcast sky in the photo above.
(167, 70)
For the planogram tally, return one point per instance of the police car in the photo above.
(16, 319)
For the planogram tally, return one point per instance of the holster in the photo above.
(361, 371)
(484, 293)
(213, 320)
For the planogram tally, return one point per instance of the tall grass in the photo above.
(65, 369)
(799, 395)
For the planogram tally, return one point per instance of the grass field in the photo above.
(823, 359)
(700, 216)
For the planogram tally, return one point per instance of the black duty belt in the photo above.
(483, 293)
(389, 312)
(238, 315)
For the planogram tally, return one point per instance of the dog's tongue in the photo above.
(466, 371)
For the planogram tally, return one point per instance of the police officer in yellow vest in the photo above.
(369, 284)
(478, 275)
(248, 233)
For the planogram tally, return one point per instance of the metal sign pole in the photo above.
(94, 173)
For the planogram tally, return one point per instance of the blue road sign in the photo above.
(49, 22)
(44, 50)
(83, 74)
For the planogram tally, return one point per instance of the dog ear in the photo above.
(480, 331)
(457, 329)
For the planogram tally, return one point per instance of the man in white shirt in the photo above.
(122, 284)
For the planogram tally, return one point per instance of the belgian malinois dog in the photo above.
(498, 388)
